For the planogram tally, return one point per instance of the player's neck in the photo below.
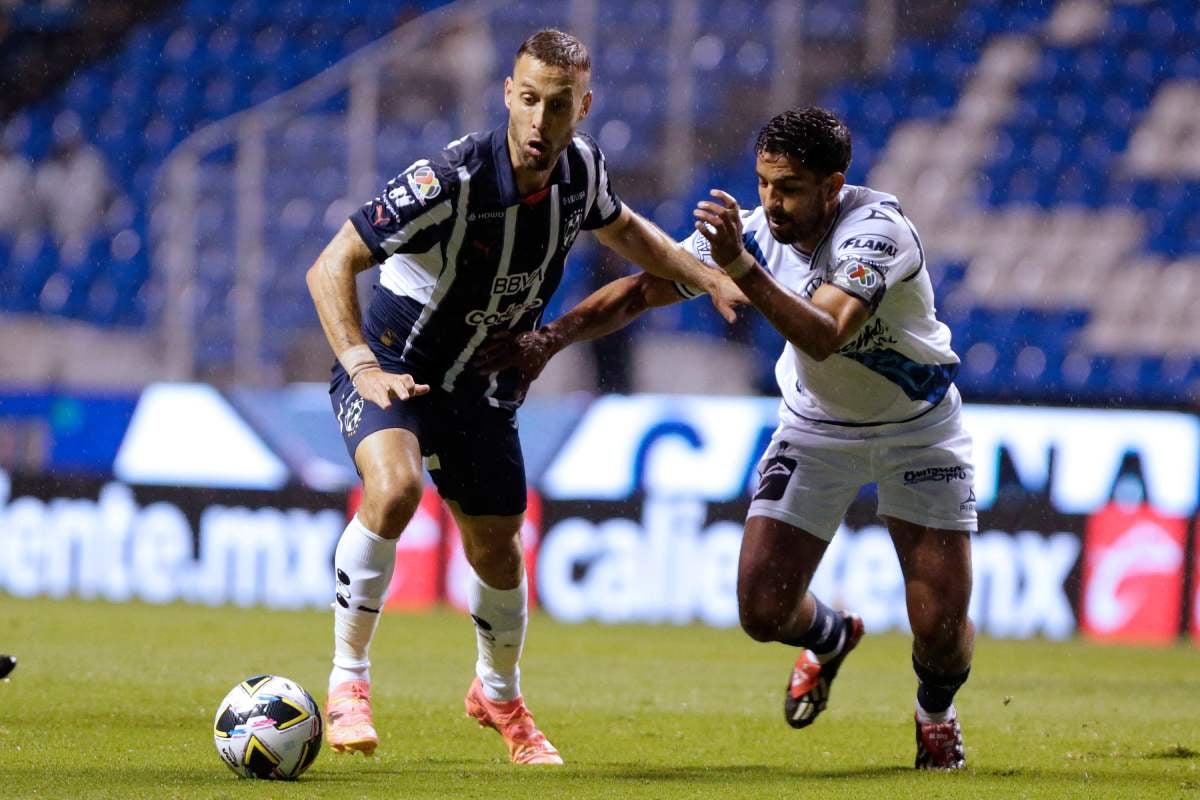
(808, 244)
(528, 181)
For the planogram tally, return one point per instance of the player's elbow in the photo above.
(818, 349)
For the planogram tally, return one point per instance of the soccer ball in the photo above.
(268, 727)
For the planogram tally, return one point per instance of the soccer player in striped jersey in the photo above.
(868, 397)
(472, 243)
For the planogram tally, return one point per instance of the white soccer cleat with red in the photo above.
(940, 745)
(808, 686)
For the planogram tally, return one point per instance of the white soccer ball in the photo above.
(268, 727)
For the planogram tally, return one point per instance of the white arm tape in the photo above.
(740, 266)
(357, 359)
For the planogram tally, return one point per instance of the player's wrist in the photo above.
(554, 338)
(358, 359)
(740, 267)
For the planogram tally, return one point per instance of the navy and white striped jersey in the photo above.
(464, 256)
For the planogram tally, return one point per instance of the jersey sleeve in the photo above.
(699, 247)
(604, 203)
(410, 214)
(873, 251)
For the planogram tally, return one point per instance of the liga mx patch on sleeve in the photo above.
(424, 184)
(862, 279)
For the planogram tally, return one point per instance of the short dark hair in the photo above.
(556, 49)
(812, 136)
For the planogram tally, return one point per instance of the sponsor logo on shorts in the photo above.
(478, 215)
(775, 475)
(491, 318)
(424, 183)
(968, 505)
(935, 474)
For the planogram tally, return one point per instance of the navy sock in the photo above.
(825, 635)
(935, 692)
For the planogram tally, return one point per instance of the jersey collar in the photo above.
(506, 180)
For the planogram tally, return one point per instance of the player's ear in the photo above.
(585, 106)
(508, 87)
(833, 185)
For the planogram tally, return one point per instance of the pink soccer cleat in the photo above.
(512, 720)
(348, 711)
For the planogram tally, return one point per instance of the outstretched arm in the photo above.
(608, 309)
(637, 239)
(331, 282)
(604, 311)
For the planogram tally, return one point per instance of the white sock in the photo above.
(500, 618)
(927, 717)
(363, 564)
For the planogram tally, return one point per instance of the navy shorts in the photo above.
(471, 449)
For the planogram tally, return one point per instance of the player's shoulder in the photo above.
(754, 220)
(863, 206)
(872, 220)
(586, 147)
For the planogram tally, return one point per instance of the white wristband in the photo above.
(740, 266)
(357, 359)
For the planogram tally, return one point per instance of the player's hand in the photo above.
(721, 223)
(528, 352)
(380, 387)
(734, 295)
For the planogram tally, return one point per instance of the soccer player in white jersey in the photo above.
(868, 397)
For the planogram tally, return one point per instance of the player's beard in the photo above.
(541, 162)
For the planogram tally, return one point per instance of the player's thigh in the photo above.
(776, 565)
(807, 484)
(475, 459)
(929, 483)
(385, 447)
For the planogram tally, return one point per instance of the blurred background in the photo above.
(169, 170)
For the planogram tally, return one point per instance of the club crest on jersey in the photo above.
(860, 274)
(424, 183)
(571, 230)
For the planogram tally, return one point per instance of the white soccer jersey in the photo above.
(899, 366)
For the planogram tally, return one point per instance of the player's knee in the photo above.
(939, 629)
(393, 498)
(762, 621)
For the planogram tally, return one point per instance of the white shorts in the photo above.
(808, 479)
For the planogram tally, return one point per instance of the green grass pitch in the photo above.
(116, 701)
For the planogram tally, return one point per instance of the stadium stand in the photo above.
(1049, 154)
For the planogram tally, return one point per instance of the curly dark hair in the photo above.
(557, 49)
(812, 136)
